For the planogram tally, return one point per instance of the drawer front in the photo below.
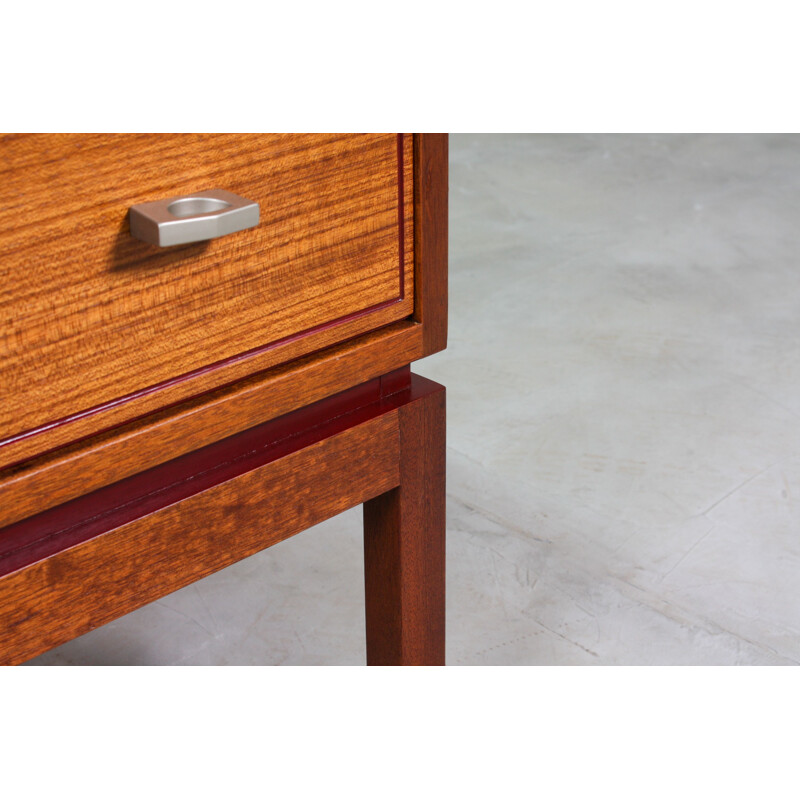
(92, 319)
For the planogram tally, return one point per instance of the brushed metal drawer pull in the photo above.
(194, 218)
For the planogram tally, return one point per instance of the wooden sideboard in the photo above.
(167, 411)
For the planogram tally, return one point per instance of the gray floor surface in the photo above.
(623, 459)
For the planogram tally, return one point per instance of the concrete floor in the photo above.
(624, 448)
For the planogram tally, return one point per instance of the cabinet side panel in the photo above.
(430, 238)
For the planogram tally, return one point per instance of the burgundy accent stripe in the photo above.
(64, 526)
(157, 387)
(395, 381)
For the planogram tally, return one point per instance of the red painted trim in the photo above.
(57, 529)
(395, 381)
(225, 362)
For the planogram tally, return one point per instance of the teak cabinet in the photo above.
(167, 411)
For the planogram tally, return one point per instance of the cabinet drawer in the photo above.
(95, 322)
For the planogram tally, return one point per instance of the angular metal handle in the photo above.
(193, 218)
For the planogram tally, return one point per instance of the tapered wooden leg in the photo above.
(404, 545)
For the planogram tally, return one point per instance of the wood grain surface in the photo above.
(41, 483)
(376, 300)
(58, 596)
(90, 316)
(404, 542)
(430, 238)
